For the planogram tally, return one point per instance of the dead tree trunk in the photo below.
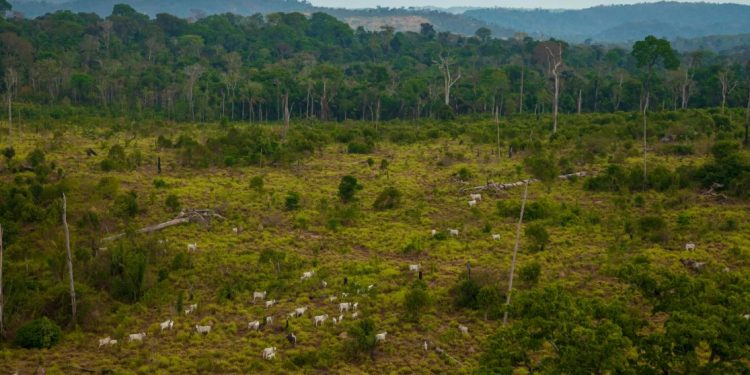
(520, 97)
(555, 63)
(448, 79)
(11, 79)
(727, 85)
(515, 253)
(70, 260)
(202, 216)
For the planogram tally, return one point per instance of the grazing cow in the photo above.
(236, 230)
(324, 284)
(433, 233)
(203, 329)
(746, 316)
(414, 267)
(335, 321)
(332, 298)
(191, 309)
(136, 336)
(690, 246)
(254, 325)
(369, 287)
(269, 320)
(355, 305)
(192, 247)
(453, 232)
(112, 342)
(496, 237)
(319, 319)
(306, 275)
(300, 311)
(464, 329)
(270, 303)
(103, 342)
(341, 318)
(167, 324)
(380, 336)
(472, 203)
(344, 306)
(292, 338)
(261, 295)
(355, 315)
(344, 295)
(269, 353)
(476, 197)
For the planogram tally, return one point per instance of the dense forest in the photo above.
(284, 194)
(289, 65)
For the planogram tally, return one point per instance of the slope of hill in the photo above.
(401, 19)
(624, 23)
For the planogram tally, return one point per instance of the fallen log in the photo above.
(202, 216)
(509, 185)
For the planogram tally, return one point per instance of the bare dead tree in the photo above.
(2, 301)
(193, 72)
(201, 216)
(11, 80)
(448, 79)
(70, 259)
(727, 85)
(515, 253)
(555, 65)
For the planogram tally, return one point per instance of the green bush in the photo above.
(126, 205)
(38, 334)
(530, 273)
(256, 183)
(537, 236)
(360, 147)
(389, 198)
(465, 294)
(362, 337)
(348, 188)
(173, 203)
(416, 300)
(291, 202)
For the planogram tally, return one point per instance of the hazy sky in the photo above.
(556, 4)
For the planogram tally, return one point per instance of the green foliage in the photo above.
(256, 183)
(128, 267)
(361, 338)
(292, 201)
(530, 273)
(465, 294)
(172, 203)
(537, 236)
(126, 205)
(9, 153)
(417, 300)
(464, 174)
(348, 188)
(41, 333)
(543, 168)
(652, 51)
(388, 199)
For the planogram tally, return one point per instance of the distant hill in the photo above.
(623, 23)
(402, 19)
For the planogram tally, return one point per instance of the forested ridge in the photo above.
(283, 194)
(251, 68)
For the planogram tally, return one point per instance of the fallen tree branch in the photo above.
(202, 216)
(505, 186)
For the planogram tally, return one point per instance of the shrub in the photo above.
(362, 337)
(348, 188)
(465, 294)
(537, 235)
(38, 334)
(108, 187)
(360, 147)
(291, 202)
(256, 183)
(9, 153)
(389, 198)
(416, 300)
(530, 273)
(489, 300)
(173, 203)
(159, 183)
(126, 205)
(463, 174)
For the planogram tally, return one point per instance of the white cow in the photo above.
(324, 284)
(355, 305)
(319, 319)
(344, 295)
(192, 247)
(690, 246)
(136, 336)
(472, 203)
(270, 303)
(746, 316)
(433, 232)
(464, 329)
(306, 275)
(496, 237)
(414, 267)
(269, 353)
(344, 306)
(369, 287)
(254, 325)
(105, 341)
(167, 324)
(257, 294)
(355, 315)
(269, 320)
(203, 329)
(236, 230)
(300, 311)
(380, 336)
(335, 320)
(476, 197)
(453, 232)
(191, 309)
(332, 298)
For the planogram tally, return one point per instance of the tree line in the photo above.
(287, 66)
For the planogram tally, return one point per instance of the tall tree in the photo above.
(728, 83)
(649, 53)
(449, 78)
(194, 73)
(555, 63)
(69, 259)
